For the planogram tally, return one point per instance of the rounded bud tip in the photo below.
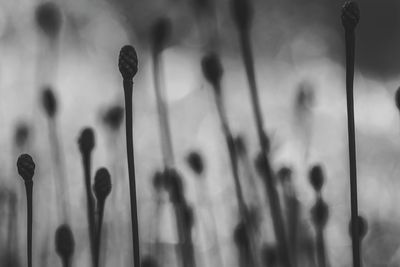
(64, 241)
(212, 68)
(320, 213)
(350, 15)
(128, 62)
(48, 18)
(21, 135)
(362, 227)
(26, 167)
(242, 13)
(316, 177)
(113, 117)
(86, 140)
(49, 101)
(102, 184)
(195, 162)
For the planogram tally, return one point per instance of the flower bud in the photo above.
(195, 162)
(212, 68)
(350, 15)
(128, 62)
(64, 241)
(102, 184)
(48, 18)
(86, 141)
(316, 177)
(26, 167)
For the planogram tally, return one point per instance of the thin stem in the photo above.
(243, 210)
(320, 243)
(276, 212)
(90, 202)
(185, 236)
(128, 89)
(165, 131)
(100, 214)
(29, 189)
(66, 262)
(350, 47)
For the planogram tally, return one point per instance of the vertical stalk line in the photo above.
(243, 210)
(29, 189)
(128, 84)
(350, 47)
(321, 254)
(165, 131)
(100, 210)
(90, 203)
(276, 212)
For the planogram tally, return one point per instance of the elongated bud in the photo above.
(49, 101)
(316, 178)
(128, 62)
(158, 180)
(362, 227)
(26, 167)
(195, 162)
(212, 69)
(64, 241)
(48, 18)
(160, 34)
(350, 15)
(242, 13)
(320, 213)
(113, 117)
(285, 174)
(102, 184)
(86, 141)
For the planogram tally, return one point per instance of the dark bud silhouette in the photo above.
(240, 145)
(350, 15)
(285, 174)
(49, 101)
(102, 184)
(21, 134)
(113, 117)
(195, 162)
(362, 227)
(64, 241)
(128, 62)
(316, 177)
(86, 141)
(212, 68)
(397, 98)
(173, 183)
(320, 213)
(148, 261)
(48, 18)
(160, 34)
(242, 13)
(26, 167)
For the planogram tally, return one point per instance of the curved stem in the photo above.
(29, 189)
(128, 89)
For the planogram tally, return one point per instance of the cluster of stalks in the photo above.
(279, 187)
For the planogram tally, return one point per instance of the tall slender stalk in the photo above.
(128, 66)
(101, 188)
(26, 169)
(212, 70)
(86, 144)
(242, 14)
(350, 18)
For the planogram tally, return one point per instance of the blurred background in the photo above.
(72, 48)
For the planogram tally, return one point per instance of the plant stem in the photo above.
(128, 90)
(276, 212)
(320, 243)
(165, 132)
(100, 214)
(350, 47)
(90, 202)
(29, 189)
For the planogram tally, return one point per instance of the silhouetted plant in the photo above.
(86, 144)
(195, 162)
(149, 261)
(101, 188)
(242, 13)
(319, 215)
(21, 135)
(113, 117)
(48, 18)
(128, 66)
(26, 169)
(65, 244)
(350, 18)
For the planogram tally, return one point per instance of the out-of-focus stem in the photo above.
(29, 189)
